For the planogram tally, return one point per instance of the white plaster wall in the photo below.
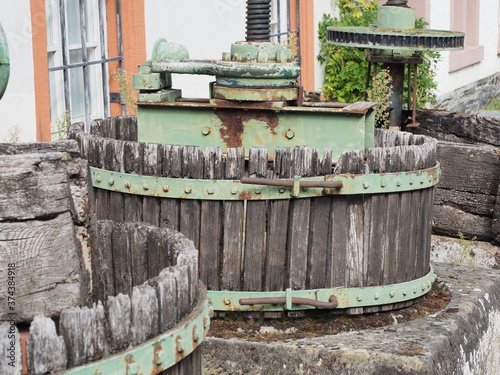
(206, 28)
(488, 37)
(17, 107)
(320, 7)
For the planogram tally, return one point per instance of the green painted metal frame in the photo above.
(346, 297)
(182, 188)
(160, 353)
(210, 125)
(4, 62)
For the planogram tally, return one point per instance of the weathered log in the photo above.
(10, 347)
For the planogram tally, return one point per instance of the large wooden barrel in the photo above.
(146, 312)
(363, 247)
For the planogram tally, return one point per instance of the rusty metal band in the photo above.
(160, 353)
(181, 188)
(332, 298)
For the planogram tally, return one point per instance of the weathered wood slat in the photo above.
(233, 225)
(277, 227)
(121, 259)
(118, 313)
(142, 259)
(134, 153)
(102, 261)
(211, 225)
(144, 314)
(172, 167)
(319, 242)
(43, 335)
(114, 161)
(153, 154)
(255, 227)
(190, 209)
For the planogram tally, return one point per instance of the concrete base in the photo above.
(464, 338)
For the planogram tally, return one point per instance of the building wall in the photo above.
(17, 107)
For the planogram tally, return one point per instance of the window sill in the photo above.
(470, 55)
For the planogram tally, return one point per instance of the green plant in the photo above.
(493, 106)
(13, 135)
(128, 98)
(59, 130)
(467, 252)
(346, 67)
(380, 93)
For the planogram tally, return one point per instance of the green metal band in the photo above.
(182, 188)
(4, 62)
(346, 297)
(160, 353)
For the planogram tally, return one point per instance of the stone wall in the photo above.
(472, 97)
(467, 199)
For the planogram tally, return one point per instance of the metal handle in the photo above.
(331, 304)
(290, 183)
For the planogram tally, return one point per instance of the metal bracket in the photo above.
(160, 353)
(266, 189)
(332, 298)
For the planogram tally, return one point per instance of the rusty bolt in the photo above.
(205, 131)
(166, 188)
(188, 190)
(179, 344)
(160, 357)
(98, 178)
(234, 191)
(111, 182)
(227, 301)
(281, 190)
(258, 191)
(132, 369)
(290, 134)
(127, 184)
(196, 336)
(210, 190)
(145, 186)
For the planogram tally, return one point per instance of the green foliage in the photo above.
(380, 93)
(467, 253)
(13, 135)
(493, 106)
(128, 97)
(59, 130)
(346, 67)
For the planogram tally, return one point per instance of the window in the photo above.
(77, 56)
(465, 17)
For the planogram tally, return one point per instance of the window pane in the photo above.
(76, 86)
(73, 22)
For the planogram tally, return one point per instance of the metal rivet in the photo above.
(382, 183)
(206, 323)
(398, 182)
(376, 296)
(392, 293)
(179, 344)
(359, 298)
(196, 336)
(166, 188)
(258, 191)
(98, 178)
(366, 185)
(227, 301)
(234, 191)
(188, 190)
(281, 190)
(205, 131)
(111, 182)
(132, 369)
(412, 181)
(127, 184)
(290, 134)
(160, 357)
(210, 190)
(304, 189)
(414, 290)
(422, 181)
(145, 186)
(405, 292)
(430, 178)
(423, 287)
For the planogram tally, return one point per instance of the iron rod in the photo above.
(64, 48)
(77, 65)
(289, 183)
(104, 70)
(332, 304)
(83, 38)
(120, 43)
